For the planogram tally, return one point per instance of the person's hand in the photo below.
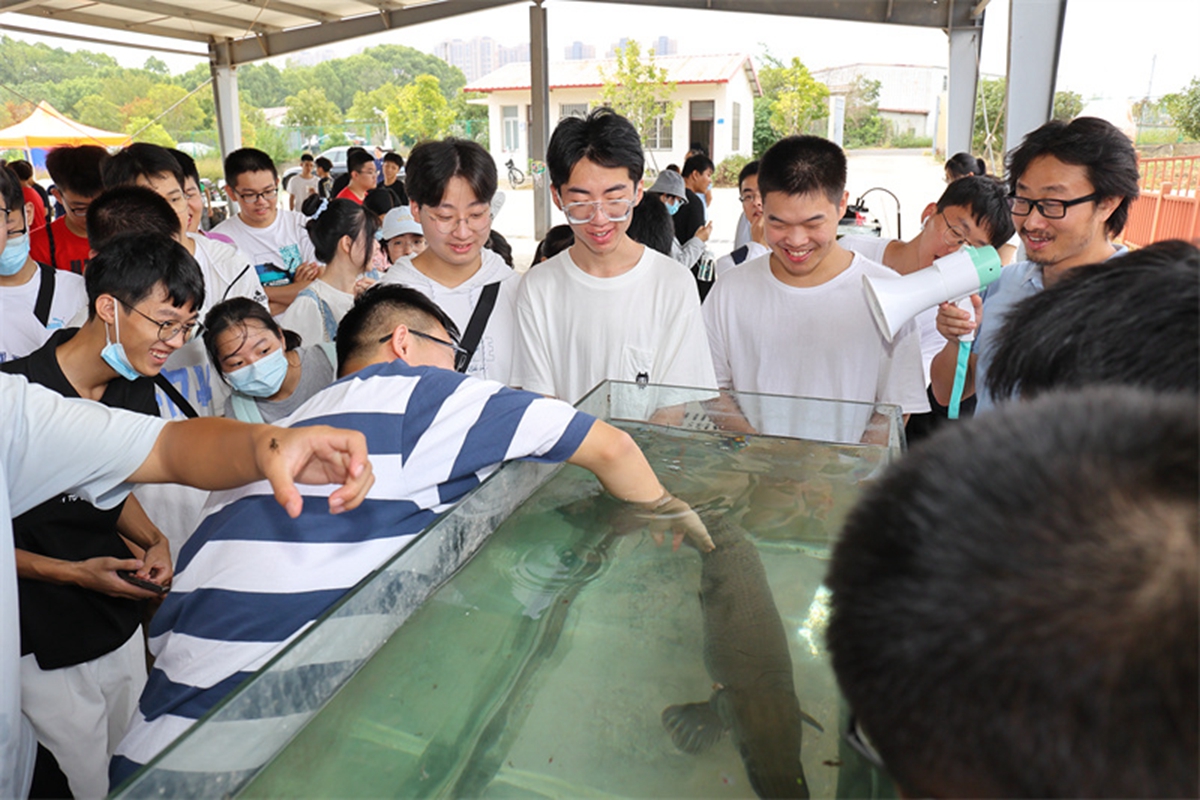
(362, 284)
(704, 231)
(758, 229)
(100, 575)
(156, 563)
(314, 455)
(953, 322)
(669, 514)
(307, 272)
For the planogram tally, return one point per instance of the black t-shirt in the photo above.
(67, 625)
(339, 183)
(688, 218)
(397, 190)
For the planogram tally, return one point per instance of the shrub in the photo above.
(726, 173)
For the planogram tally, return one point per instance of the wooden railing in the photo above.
(1169, 204)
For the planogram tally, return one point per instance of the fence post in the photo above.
(1163, 191)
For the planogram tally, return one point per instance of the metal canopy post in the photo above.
(539, 137)
(1034, 40)
(225, 98)
(964, 83)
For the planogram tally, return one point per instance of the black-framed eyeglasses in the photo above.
(858, 740)
(254, 197)
(951, 235)
(1050, 209)
(421, 334)
(171, 328)
(584, 212)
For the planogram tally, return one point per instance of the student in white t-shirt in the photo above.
(796, 321)
(35, 300)
(304, 184)
(450, 185)
(274, 238)
(753, 243)
(607, 307)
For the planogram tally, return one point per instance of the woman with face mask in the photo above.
(270, 373)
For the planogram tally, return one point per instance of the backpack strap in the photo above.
(326, 313)
(178, 399)
(479, 321)
(245, 409)
(50, 240)
(45, 295)
(740, 254)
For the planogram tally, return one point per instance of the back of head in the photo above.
(558, 238)
(1089, 142)
(139, 160)
(129, 266)
(1133, 320)
(431, 165)
(987, 200)
(376, 313)
(77, 169)
(130, 209)
(357, 158)
(651, 224)
(1014, 603)
(379, 201)
(500, 246)
(604, 137)
(340, 218)
(10, 189)
(324, 163)
(800, 165)
(247, 159)
(22, 169)
(187, 164)
(964, 165)
(697, 162)
(313, 204)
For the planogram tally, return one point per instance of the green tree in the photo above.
(471, 119)
(143, 130)
(94, 110)
(799, 99)
(157, 66)
(988, 136)
(372, 106)
(310, 108)
(1184, 108)
(1067, 105)
(638, 90)
(263, 85)
(420, 112)
(864, 127)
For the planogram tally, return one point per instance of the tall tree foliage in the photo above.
(1184, 108)
(799, 98)
(421, 111)
(638, 90)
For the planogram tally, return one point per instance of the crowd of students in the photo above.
(461, 363)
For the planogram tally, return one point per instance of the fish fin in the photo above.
(694, 727)
(806, 717)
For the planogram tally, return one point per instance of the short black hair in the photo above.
(128, 267)
(377, 311)
(341, 218)
(139, 160)
(651, 224)
(10, 190)
(392, 157)
(1092, 143)
(698, 162)
(963, 165)
(987, 200)
(1132, 320)
(357, 158)
(800, 165)
(311, 203)
(558, 238)
(247, 159)
(233, 313)
(130, 209)
(187, 164)
(77, 169)
(379, 201)
(431, 165)
(748, 170)
(1013, 608)
(305, 157)
(604, 137)
(21, 168)
(324, 163)
(500, 246)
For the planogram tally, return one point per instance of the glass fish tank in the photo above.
(539, 641)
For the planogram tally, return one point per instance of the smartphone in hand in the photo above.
(141, 583)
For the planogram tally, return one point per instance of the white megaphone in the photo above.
(894, 301)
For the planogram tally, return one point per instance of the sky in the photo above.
(1112, 49)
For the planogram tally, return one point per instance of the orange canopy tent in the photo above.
(47, 127)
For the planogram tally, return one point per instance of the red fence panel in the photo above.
(1169, 205)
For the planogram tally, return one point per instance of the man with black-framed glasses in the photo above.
(1070, 189)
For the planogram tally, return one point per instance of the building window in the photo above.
(512, 128)
(737, 127)
(662, 135)
(573, 110)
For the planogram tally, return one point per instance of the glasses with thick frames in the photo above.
(1050, 209)
(171, 328)
(254, 197)
(584, 212)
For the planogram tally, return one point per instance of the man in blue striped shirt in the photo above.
(250, 579)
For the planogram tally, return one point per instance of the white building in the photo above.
(715, 95)
(479, 56)
(908, 94)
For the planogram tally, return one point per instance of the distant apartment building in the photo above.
(577, 51)
(909, 95)
(662, 46)
(479, 56)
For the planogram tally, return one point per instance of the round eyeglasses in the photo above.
(584, 212)
(171, 328)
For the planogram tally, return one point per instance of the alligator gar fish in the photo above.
(746, 653)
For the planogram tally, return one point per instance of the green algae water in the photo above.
(543, 666)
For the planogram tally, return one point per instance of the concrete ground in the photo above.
(912, 175)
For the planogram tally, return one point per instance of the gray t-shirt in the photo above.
(316, 372)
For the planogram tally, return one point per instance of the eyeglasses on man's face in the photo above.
(1050, 209)
(422, 335)
(584, 212)
(169, 329)
(477, 221)
(267, 195)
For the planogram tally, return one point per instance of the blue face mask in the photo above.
(114, 352)
(673, 207)
(15, 254)
(262, 378)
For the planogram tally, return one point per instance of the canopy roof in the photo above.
(47, 127)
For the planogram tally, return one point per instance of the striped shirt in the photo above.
(250, 579)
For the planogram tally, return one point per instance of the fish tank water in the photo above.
(537, 641)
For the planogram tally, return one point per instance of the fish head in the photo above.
(765, 728)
